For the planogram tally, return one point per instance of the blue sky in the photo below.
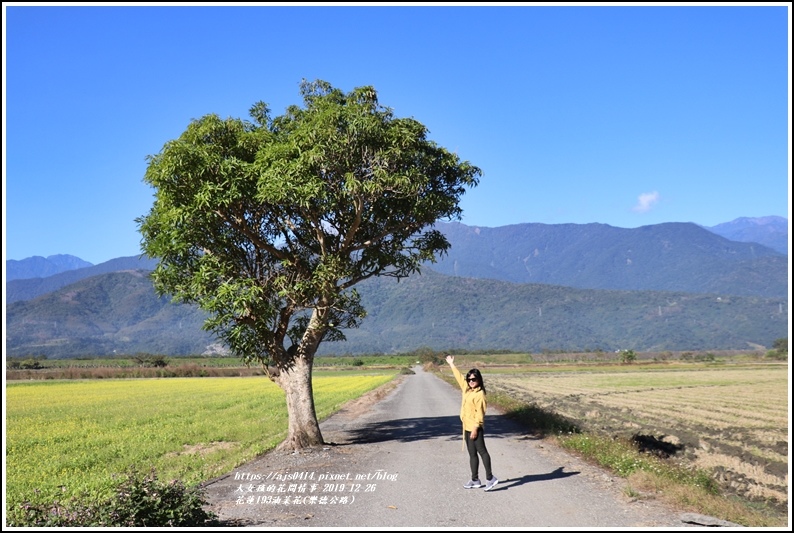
(622, 115)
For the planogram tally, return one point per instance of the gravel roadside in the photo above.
(394, 459)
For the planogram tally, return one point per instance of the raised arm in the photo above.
(456, 373)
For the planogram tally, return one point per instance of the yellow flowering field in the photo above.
(66, 437)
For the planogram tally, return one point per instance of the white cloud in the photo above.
(645, 202)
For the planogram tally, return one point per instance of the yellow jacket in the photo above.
(473, 404)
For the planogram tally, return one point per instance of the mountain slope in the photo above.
(442, 312)
(120, 313)
(663, 257)
(116, 312)
(27, 289)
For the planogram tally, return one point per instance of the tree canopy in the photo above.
(268, 224)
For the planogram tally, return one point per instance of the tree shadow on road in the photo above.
(505, 484)
(433, 427)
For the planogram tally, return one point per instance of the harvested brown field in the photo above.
(730, 420)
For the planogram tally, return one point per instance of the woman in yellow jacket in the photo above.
(472, 414)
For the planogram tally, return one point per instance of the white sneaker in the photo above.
(473, 484)
(491, 483)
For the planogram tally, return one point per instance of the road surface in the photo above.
(399, 462)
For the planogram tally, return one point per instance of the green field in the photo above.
(78, 434)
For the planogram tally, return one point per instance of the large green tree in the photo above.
(268, 224)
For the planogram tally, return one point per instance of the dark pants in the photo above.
(477, 446)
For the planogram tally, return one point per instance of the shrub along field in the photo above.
(157, 366)
(64, 438)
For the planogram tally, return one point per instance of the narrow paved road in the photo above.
(400, 463)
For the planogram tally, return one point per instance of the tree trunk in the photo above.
(304, 430)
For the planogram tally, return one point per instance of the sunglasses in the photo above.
(471, 379)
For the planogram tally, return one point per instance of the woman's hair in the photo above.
(475, 373)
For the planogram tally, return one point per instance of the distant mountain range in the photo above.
(662, 257)
(770, 231)
(113, 312)
(527, 287)
(119, 312)
(41, 267)
(26, 289)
